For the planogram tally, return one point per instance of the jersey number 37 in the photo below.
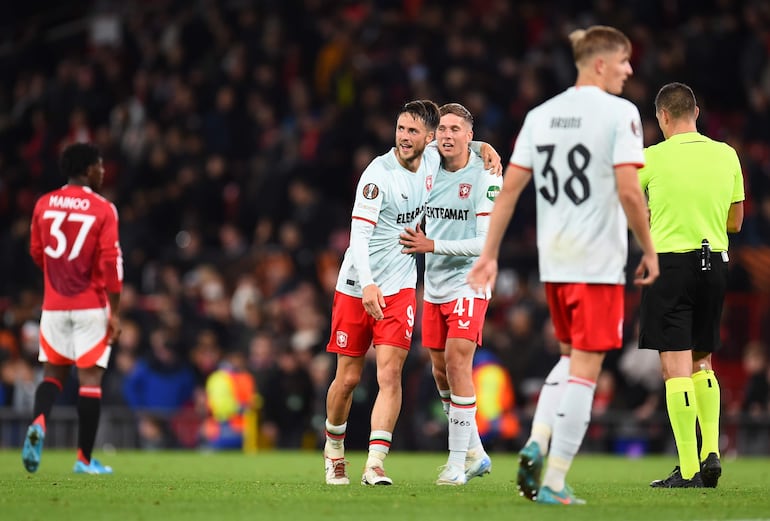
(57, 219)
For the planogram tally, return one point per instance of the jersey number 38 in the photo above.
(576, 184)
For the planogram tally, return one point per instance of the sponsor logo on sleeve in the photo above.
(636, 127)
(493, 192)
(371, 191)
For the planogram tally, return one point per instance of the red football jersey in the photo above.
(74, 240)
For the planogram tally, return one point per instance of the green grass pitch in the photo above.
(279, 486)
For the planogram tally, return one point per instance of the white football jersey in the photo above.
(392, 198)
(454, 203)
(572, 143)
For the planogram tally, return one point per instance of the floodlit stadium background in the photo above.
(233, 134)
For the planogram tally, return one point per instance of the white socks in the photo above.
(335, 440)
(550, 396)
(570, 426)
(462, 414)
(379, 447)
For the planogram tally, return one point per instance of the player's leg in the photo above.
(571, 424)
(706, 324)
(466, 324)
(595, 325)
(57, 355)
(387, 406)
(548, 401)
(392, 338)
(434, 331)
(556, 381)
(707, 401)
(438, 364)
(54, 377)
(351, 335)
(682, 414)
(89, 409)
(92, 354)
(462, 410)
(537, 446)
(666, 325)
(339, 398)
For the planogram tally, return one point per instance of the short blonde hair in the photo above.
(597, 39)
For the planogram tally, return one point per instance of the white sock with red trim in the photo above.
(569, 429)
(548, 402)
(335, 440)
(379, 446)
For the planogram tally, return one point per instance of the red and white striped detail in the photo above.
(581, 381)
(90, 391)
(336, 437)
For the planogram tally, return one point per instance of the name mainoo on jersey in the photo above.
(568, 122)
(69, 203)
(409, 217)
(451, 214)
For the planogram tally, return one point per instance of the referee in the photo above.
(695, 194)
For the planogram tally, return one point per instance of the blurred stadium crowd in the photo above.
(233, 134)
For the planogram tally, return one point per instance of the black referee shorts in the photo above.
(683, 308)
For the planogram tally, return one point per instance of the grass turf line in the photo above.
(192, 486)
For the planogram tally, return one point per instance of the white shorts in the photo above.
(75, 337)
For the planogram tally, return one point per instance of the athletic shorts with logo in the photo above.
(460, 318)
(353, 331)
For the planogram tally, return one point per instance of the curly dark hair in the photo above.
(76, 158)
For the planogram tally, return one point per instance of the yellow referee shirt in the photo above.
(690, 182)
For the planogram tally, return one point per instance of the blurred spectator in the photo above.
(230, 392)
(123, 358)
(157, 388)
(205, 355)
(496, 401)
(288, 403)
(755, 437)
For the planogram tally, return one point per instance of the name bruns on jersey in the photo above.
(69, 203)
(566, 122)
(452, 214)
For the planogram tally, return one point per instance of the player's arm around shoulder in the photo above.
(488, 154)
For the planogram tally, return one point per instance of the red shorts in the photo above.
(461, 318)
(353, 331)
(589, 317)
